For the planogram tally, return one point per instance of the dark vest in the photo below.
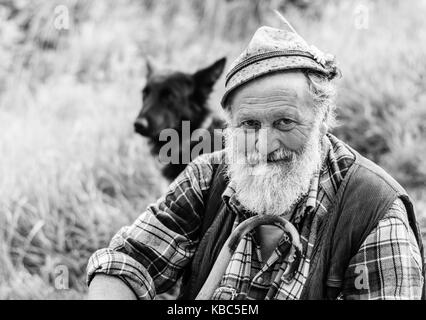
(363, 198)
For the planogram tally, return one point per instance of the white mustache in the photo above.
(282, 154)
(277, 155)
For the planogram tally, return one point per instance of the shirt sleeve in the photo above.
(388, 265)
(149, 255)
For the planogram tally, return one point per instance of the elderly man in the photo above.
(359, 235)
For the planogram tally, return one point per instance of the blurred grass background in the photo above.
(71, 169)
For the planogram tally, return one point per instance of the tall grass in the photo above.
(72, 171)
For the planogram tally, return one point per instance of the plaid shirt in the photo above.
(151, 254)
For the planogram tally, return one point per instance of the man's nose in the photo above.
(142, 125)
(267, 141)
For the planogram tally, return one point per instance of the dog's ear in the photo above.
(206, 78)
(149, 67)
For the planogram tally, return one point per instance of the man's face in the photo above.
(273, 119)
(280, 104)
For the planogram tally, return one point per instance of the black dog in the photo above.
(169, 98)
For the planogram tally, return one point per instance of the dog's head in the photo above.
(169, 98)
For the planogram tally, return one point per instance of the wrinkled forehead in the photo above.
(287, 87)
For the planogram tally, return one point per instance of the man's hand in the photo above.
(104, 287)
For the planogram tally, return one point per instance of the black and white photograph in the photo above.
(183, 150)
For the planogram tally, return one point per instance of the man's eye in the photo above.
(285, 124)
(250, 124)
(285, 121)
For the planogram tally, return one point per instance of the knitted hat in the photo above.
(272, 50)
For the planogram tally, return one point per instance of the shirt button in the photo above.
(259, 280)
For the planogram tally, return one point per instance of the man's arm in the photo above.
(388, 265)
(105, 287)
(147, 257)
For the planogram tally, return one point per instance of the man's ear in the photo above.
(149, 67)
(206, 78)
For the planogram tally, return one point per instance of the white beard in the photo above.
(272, 188)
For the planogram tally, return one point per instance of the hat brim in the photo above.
(263, 67)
